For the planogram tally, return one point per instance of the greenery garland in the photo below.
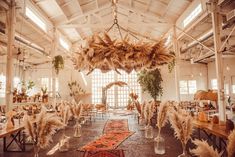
(151, 81)
(58, 63)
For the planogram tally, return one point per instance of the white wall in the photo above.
(187, 71)
(228, 73)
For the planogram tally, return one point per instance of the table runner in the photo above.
(116, 125)
(106, 153)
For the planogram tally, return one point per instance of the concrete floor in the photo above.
(134, 146)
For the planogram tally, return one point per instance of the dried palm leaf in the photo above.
(204, 150)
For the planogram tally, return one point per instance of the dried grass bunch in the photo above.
(142, 112)
(162, 116)
(181, 122)
(148, 112)
(107, 54)
(65, 112)
(41, 130)
(204, 150)
(231, 144)
(76, 110)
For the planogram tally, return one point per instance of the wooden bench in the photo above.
(16, 135)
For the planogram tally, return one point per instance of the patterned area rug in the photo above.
(107, 141)
(108, 153)
(116, 125)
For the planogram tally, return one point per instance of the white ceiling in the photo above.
(78, 19)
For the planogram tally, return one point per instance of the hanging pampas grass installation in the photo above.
(203, 149)
(41, 130)
(181, 122)
(231, 144)
(101, 52)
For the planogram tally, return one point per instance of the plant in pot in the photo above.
(58, 63)
(151, 82)
(44, 94)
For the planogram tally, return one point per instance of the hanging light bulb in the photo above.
(227, 68)
(200, 74)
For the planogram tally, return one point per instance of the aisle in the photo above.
(135, 146)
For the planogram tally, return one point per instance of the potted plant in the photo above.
(58, 63)
(44, 94)
(151, 81)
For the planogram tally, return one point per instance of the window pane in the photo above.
(183, 87)
(214, 84)
(2, 86)
(233, 84)
(192, 86)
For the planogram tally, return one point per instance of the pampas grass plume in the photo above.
(231, 144)
(162, 115)
(204, 150)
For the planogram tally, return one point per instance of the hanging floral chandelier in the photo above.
(101, 52)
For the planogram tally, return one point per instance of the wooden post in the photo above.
(53, 52)
(217, 26)
(177, 59)
(10, 23)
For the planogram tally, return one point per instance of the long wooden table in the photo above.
(16, 135)
(214, 133)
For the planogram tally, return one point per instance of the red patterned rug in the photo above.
(108, 153)
(107, 141)
(116, 125)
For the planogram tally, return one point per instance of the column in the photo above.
(53, 53)
(217, 26)
(10, 29)
(177, 60)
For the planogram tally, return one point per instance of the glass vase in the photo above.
(184, 154)
(148, 131)
(64, 144)
(142, 124)
(78, 130)
(36, 151)
(159, 145)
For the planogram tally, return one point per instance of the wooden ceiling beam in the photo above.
(4, 5)
(146, 14)
(72, 18)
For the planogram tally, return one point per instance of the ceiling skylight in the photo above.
(192, 15)
(35, 18)
(64, 44)
(168, 40)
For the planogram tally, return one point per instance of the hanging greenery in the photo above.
(171, 64)
(151, 81)
(58, 63)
